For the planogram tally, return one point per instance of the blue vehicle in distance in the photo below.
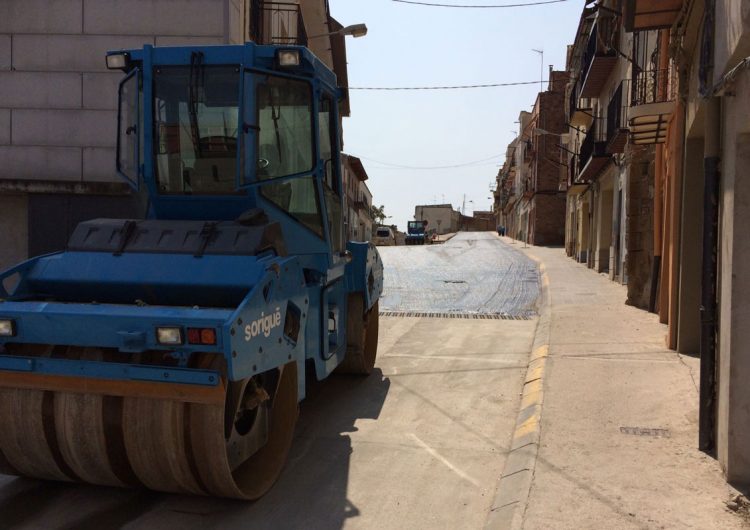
(416, 233)
(171, 352)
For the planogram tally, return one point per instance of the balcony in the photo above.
(652, 102)
(593, 156)
(277, 23)
(617, 117)
(579, 109)
(654, 89)
(574, 186)
(528, 150)
(599, 58)
(650, 14)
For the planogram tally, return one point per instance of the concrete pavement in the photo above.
(471, 273)
(418, 444)
(619, 419)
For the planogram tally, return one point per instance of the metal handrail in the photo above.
(653, 86)
(595, 134)
(278, 23)
(617, 110)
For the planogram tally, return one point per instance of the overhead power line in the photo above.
(452, 87)
(401, 166)
(431, 4)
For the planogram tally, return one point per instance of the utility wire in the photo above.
(400, 166)
(453, 87)
(430, 4)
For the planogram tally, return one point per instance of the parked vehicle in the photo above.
(384, 237)
(416, 233)
(172, 352)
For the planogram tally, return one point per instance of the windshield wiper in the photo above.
(196, 84)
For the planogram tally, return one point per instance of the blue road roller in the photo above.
(172, 351)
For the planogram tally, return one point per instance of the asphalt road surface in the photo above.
(470, 273)
(418, 444)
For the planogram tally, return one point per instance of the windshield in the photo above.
(383, 232)
(195, 128)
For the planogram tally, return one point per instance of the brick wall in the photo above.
(58, 101)
(547, 218)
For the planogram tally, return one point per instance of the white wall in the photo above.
(57, 99)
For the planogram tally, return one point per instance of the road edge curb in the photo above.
(514, 486)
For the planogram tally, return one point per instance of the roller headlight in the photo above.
(170, 336)
(7, 328)
(288, 58)
(117, 61)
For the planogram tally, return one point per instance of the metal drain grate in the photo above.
(474, 316)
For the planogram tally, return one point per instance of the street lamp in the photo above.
(355, 30)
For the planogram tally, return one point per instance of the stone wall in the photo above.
(639, 226)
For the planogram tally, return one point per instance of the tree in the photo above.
(378, 213)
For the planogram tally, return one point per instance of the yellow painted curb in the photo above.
(536, 370)
(527, 427)
(540, 352)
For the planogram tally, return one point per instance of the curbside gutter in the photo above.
(514, 485)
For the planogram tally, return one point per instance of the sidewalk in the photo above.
(619, 417)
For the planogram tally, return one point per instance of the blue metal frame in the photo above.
(264, 289)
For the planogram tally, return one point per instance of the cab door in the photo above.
(334, 293)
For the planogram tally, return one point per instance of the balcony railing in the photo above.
(572, 170)
(593, 156)
(653, 86)
(579, 109)
(652, 102)
(277, 23)
(600, 56)
(617, 118)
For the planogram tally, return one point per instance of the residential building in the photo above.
(478, 221)
(441, 218)
(505, 191)
(58, 101)
(357, 200)
(659, 95)
(535, 208)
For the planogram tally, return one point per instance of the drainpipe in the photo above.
(707, 410)
(659, 177)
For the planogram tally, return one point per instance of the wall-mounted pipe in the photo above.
(712, 149)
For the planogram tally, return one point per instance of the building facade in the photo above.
(659, 138)
(530, 190)
(357, 200)
(441, 218)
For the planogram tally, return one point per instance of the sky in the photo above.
(411, 45)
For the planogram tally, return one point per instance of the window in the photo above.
(285, 141)
(195, 129)
(129, 131)
(299, 198)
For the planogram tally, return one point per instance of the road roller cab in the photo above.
(171, 351)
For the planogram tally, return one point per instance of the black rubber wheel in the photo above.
(361, 337)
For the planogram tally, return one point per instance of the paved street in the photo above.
(471, 273)
(419, 444)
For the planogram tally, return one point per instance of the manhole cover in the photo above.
(646, 431)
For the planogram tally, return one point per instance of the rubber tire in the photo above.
(361, 337)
